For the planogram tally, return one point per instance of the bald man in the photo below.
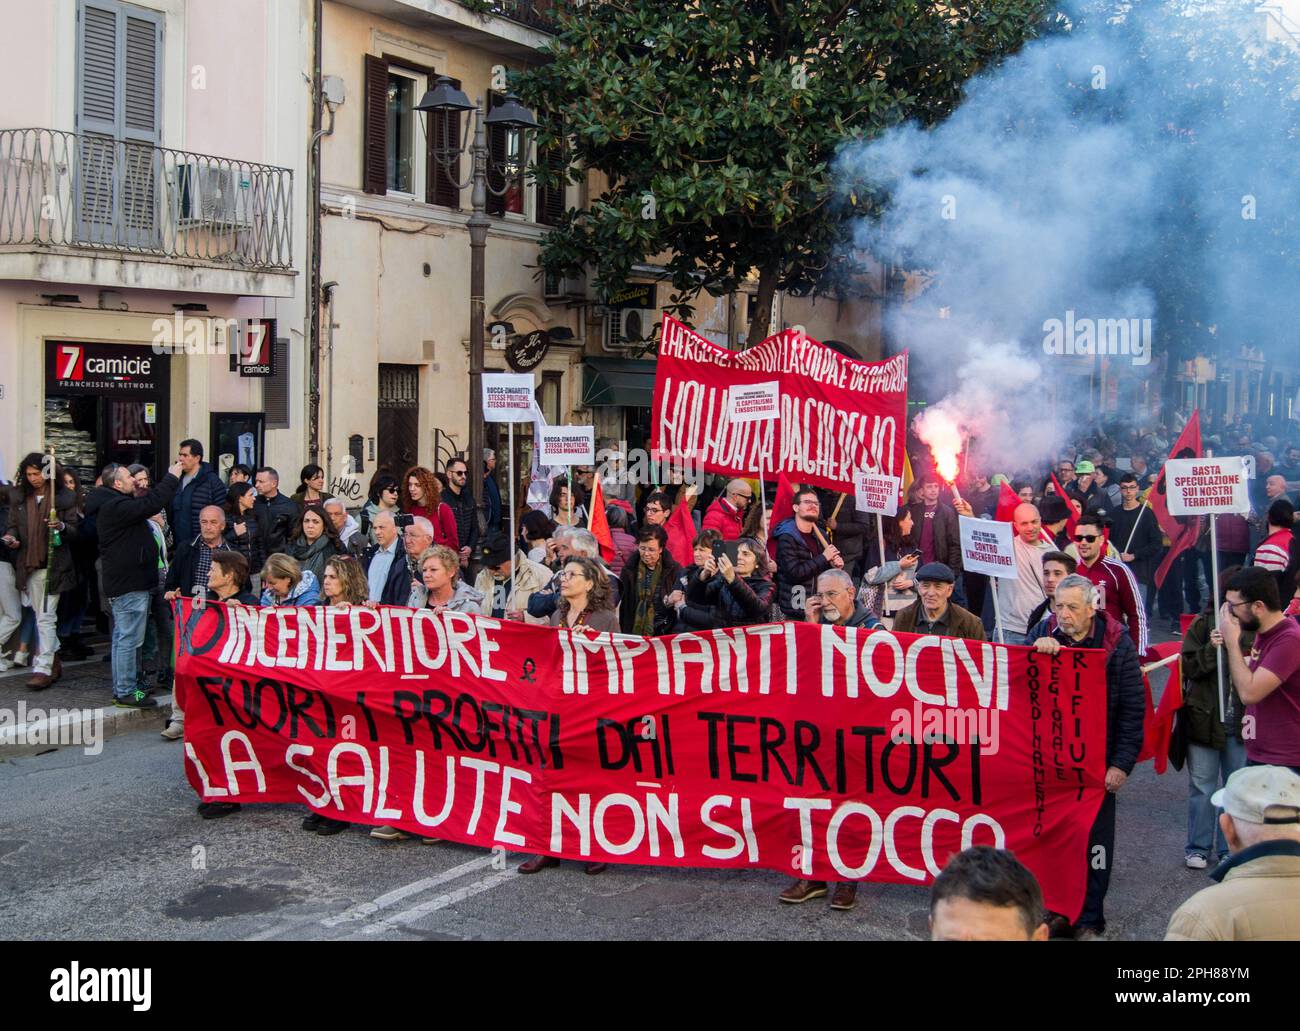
(193, 558)
(727, 514)
(1018, 596)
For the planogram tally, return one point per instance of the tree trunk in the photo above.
(760, 321)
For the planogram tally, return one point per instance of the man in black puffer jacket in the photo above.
(1077, 624)
(129, 557)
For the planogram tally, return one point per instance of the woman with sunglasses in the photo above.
(383, 498)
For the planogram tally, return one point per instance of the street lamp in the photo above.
(447, 98)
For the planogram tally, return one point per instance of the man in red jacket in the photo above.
(727, 514)
(1120, 598)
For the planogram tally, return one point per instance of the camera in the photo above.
(403, 520)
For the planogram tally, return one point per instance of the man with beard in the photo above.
(1268, 680)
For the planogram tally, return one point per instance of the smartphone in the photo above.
(729, 548)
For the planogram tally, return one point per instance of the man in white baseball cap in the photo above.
(1258, 894)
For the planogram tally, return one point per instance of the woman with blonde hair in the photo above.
(285, 582)
(441, 585)
(420, 494)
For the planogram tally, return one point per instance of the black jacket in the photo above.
(127, 550)
(665, 615)
(205, 489)
(252, 542)
(1146, 546)
(745, 601)
(397, 588)
(466, 512)
(797, 566)
(947, 534)
(853, 529)
(180, 574)
(278, 517)
(1126, 698)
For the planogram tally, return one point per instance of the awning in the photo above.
(628, 382)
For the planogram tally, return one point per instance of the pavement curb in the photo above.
(85, 728)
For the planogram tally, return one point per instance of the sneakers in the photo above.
(328, 826)
(22, 658)
(136, 700)
(173, 731)
(6, 661)
(1196, 861)
(387, 834)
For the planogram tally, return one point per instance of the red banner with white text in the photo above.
(831, 753)
(837, 415)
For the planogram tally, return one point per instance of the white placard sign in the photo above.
(875, 492)
(1206, 486)
(508, 397)
(567, 445)
(987, 546)
(754, 402)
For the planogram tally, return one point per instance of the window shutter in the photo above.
(275, 388)
(550, 199)
(496, 198)
(374, 159)
(444, 135)
(97, 121)
(141, 40)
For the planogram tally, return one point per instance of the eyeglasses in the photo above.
(1087, 537)
(1233, 605)
(567, 575)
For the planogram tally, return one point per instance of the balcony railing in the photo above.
(536, 14)
(88, 190)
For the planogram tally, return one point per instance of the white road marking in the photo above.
(391, 898)
(409, 916)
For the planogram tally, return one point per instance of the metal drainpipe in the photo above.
(313, 276)
(327, 292)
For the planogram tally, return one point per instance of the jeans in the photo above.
(157, 649)
(11, 605)
(1205, 765)
(129, 614)
(1011, 637)
(46, 609)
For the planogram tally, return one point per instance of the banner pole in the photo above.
(572, 486)
(762, 487)
(514, 536)
(1214, 593)
(997, 613)
(880, 535)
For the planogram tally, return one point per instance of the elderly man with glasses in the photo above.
(727, 514)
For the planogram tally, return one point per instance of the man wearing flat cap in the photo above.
(1257, 897)
(934, 612)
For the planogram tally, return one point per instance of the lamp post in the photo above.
(446, 98)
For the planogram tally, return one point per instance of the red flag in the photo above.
(1158, 723)
(782, 509)
(598, 523)
(1008, 499)
(681, 534)
(1182, 531)
(1073, 518)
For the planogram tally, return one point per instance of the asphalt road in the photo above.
(110, 847)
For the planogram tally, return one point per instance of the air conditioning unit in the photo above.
(208, 196)
(557, 287)
(631, 327)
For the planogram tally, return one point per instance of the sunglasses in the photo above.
(1087, 538)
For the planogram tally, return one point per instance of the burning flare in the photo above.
(941, 432)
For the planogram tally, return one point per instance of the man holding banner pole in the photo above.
(508, 397)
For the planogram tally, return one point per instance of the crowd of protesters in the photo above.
(1088, 549)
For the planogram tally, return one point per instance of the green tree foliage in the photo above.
(717, 122)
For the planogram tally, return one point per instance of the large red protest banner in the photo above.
(838, 415)
(831, 753)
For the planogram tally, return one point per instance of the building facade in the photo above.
(151, 224)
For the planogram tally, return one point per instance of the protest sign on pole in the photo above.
(874, 492)
(864, 754)
(568, 446)
(988, 546)
(508, 397)
(1209, 486)
(837, 414)
(756, 402)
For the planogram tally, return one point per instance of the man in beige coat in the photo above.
(1258, 894)
(494, 581)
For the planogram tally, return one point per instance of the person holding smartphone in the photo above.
(735, 593)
